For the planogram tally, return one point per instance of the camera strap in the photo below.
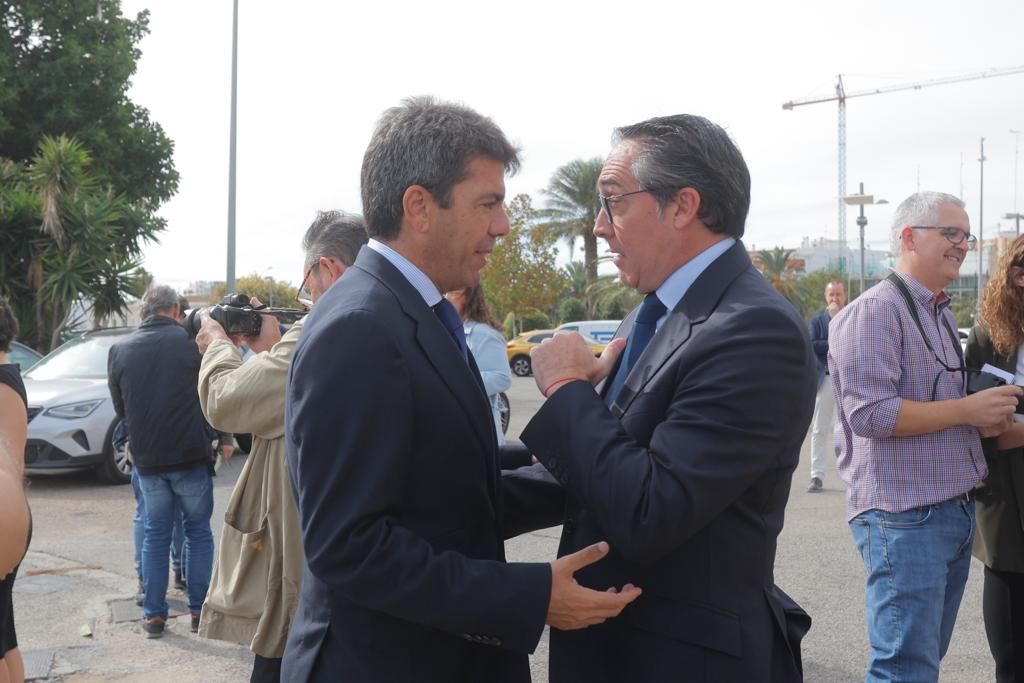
(912, 307)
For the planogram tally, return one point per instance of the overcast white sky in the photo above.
(557, 76)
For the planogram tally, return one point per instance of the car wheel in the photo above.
(504, 411)
(521, 366)
(115, 468)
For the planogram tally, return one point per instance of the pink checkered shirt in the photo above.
(877, 359)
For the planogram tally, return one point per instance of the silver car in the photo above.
(70, 412)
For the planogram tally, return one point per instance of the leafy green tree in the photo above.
(65, 69)
(774, 264)
(255, 285)
(572, 208)
(521, 275)
(570, 310)
(808, 293)
(965, 309)
(64, 241)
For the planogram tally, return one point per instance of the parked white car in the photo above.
(70, 412)
(599, 331)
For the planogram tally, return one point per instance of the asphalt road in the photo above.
(79, 572)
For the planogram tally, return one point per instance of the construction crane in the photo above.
(841, 96)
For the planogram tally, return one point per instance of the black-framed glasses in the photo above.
(304, 296)
(956, 236)
(607, 201)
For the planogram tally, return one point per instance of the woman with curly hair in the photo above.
(998, 340)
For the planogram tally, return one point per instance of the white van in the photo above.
(599, 331)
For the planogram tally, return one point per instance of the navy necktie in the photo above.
(644, 327)
(453, 323)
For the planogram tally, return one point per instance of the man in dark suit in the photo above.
(824, 420)
(391, 444)
(683, 459)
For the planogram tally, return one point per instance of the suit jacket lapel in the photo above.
(438, 347)
(697, 304)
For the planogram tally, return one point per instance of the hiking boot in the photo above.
(815, 485)
(153, 627)
(140, 596)
(195, 622)
(179, 581)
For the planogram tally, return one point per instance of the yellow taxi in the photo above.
(518, 350)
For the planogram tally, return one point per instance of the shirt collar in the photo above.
(416, 277)
(922, 294)
(675, 286)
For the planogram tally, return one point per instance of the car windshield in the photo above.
(22, 357)
(81, 357)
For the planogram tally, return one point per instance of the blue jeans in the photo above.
(192, 489)
(139, 524)
(139, 529)
(917, 563)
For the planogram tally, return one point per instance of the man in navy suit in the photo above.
(391, 443)
(824, 420)
(683, 458)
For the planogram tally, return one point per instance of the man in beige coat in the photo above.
(255, 585)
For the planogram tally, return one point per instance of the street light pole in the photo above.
(981, 217)
(231, 157)
(860, 200)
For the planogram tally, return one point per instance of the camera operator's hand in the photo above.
(210, 331)
(270, 332)
(990, 408)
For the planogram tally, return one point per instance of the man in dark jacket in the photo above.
(824, 420)
(153, 375)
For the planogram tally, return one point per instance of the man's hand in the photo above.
(226, 452)
(996, 429)
(572, 606)
(270, 332)
(567, 355)
(210, 331)
(990, 408)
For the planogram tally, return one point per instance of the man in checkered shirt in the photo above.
(907, 439)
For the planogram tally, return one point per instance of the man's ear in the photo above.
(684, 207)
(335, 268)
(907, 238)
(417, 203)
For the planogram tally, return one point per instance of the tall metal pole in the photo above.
(981, 217)
(231, 161)
(841, 95)
(861, 223)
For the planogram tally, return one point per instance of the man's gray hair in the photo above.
(920, 208)
(428, 143)
(334, 234)
(158, 299)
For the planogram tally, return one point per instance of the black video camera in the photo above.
(979, 380)
(237, 316)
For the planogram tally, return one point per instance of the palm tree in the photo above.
(774, 263)
(572, 208)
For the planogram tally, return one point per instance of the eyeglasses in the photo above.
(956, 236)
(304, 296)
(607, 201)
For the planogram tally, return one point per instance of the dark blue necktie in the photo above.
(640, 336)
(453, 323)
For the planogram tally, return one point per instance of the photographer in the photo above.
(999, 543)
(908, 448)
(255, 584)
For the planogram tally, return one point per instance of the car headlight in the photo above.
(73, 411)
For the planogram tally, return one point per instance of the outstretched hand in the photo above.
(572, 606)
